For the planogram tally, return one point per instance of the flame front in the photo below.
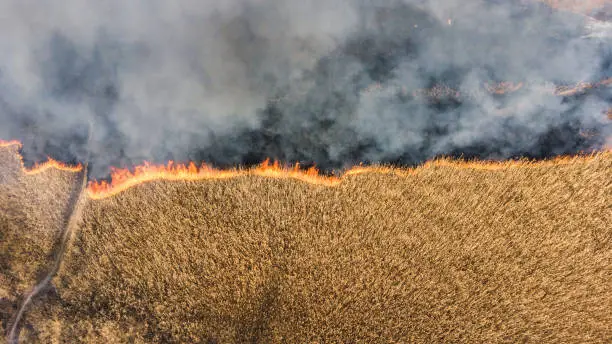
(40, 167)
(50, 163)
(9, 143)
(122, 179)
(499, 88)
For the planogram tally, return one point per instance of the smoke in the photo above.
(235, 81)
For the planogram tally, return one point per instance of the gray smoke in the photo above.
(235, 81)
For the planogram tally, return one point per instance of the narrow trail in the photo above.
(72, 214)
(78, 197)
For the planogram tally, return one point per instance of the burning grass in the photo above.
(446, 252)
(4, 144)
(123, 179)
(501, 88)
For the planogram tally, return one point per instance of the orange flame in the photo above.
(488, 165)
(9, 143)
(499, 88)
(40, 167)
(580, 87)
(50, 163)
(122, 179)
(503, 87)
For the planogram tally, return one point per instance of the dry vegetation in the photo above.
(445, 255)
(32, 214)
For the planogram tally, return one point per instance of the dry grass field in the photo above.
(444, 253)
(33, 209)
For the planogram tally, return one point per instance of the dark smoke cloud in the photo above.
(235, 81)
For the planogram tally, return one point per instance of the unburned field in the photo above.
(445, 254)
(33, 210)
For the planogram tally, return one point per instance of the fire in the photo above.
(497, 88)
(123, 179)
(507, 164)
(50, 163)
(9, 143)
(40, 167)
(488, 165)
(503, 87)
(581, 87)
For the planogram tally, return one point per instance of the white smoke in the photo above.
(234, 80)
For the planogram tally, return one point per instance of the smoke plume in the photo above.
(233, 82)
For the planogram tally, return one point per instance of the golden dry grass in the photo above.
(32, 213)
(446, 254)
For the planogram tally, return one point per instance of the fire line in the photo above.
(123, 179)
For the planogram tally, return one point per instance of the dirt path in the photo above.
(72, 214)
